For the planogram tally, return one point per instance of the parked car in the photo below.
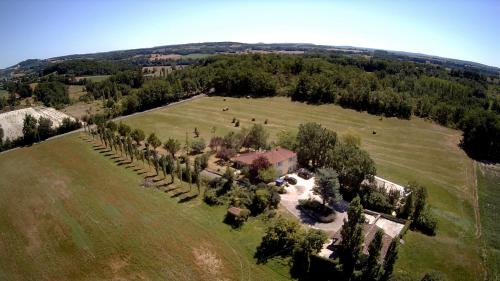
(290, 180)
(279, 182)
(304, 173)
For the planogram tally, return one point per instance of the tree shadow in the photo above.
(160, 179)
(172, 188)
(179, 193)
(187, 198)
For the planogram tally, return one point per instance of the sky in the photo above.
(467, 30)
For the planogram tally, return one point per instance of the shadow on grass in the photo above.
(179, 193)
(187, 198)
(172, 188)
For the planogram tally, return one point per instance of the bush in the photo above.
(211, 197)
(226, 154)
(198, 145)
(268, 175)
(426, 223)
(202, 161)
(237, 220)
(261, 200)
(280, 238)
(320, 212)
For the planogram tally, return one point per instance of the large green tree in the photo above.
(30, 129)
(314, 144)
(172, 146)
(327, 185)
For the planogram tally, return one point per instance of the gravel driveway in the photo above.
(303, 190)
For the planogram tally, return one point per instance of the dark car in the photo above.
(290, 180)
(304, 173)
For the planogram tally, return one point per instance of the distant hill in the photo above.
(183, 53)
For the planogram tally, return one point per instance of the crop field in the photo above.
(402, 150)
(489, 198)
(71, 211)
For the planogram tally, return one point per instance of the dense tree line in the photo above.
(52, 93)
(457, 99)
(81, 67)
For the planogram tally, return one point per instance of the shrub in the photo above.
(280, 238)
(202, 160)
(237, 124)
(211, 198)
(426, 223)
(226, 154)
(261, 200)
(237, 220)
(268, 175)
(317, 210)
(198, 145)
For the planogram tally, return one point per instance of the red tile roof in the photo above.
(274, 156)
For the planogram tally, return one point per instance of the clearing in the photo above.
(402, 150)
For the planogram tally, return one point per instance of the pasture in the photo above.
(71, 211)
(488, 180)
(402, 150)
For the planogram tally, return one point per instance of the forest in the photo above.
(458, 98)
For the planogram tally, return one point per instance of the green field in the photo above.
(403, 151)
(95, 78)
(488, 180)
(68, 212)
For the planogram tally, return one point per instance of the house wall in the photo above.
(286, 166)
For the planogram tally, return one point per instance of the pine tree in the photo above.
(390, 258)
(352, 238)
(188, 172)
(372, 267)
(179, 169)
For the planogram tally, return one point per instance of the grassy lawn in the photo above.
(95, 78)
(68, 212)
(403, 151)
(488, 181)
(75, 92)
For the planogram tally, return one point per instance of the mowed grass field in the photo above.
(488, 180)
(70, 212)
(402, 150)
